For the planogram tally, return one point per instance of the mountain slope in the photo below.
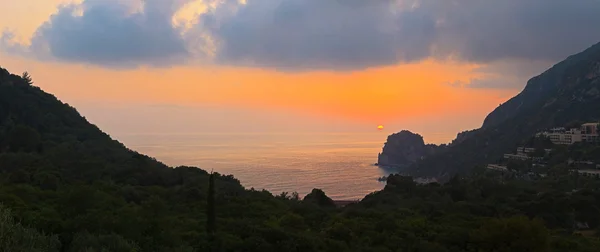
(569, 91)
(547, 85)
(62, 175)
(63, 132)
(40, 133)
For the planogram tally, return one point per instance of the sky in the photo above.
(197, 66)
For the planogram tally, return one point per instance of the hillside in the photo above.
(574, 78)
(567, 92)
(59, 172)
(40, 134)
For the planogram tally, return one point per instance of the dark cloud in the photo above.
(298, 35)
(485, 31)
(110, 33)
(305, 34)
(309, 34)
(510, 74)
(504, 74)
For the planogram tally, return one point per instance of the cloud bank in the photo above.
(301, 35)
(110, 33)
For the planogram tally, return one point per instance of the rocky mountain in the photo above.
(461, 136)
(403, 149)
(567, 92)
(576, 77)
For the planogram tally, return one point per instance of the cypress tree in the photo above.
(210, 212)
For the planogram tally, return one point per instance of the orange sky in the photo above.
(398, 95)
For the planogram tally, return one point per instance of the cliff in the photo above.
(403, 149)
(562, 79)
(462, 136)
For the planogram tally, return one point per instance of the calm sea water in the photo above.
(341, 164)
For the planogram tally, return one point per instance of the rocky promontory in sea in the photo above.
(403, 149)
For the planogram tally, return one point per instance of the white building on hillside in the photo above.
(497, 167)
(588, 132)
(518, 156)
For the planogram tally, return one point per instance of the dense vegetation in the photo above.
(567, 92)
(66, 186)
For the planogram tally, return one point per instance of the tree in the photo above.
(27, 78)
(318, 197)
(574, 124)
(295, 196)
(88, 242)
(517, 165)
(16, 238)
(210, 212)
(24, 138)
(401, 183)
(19, 176)
(46, 181)
(539, 152)
(285, 195)
(512, 234)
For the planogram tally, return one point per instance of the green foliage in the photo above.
(211, 220)
(519, 166)
(318, 197)
(85, 242)
(16, 238)
(512, 235)
(19, 176)
(23, 138)
(210, 212)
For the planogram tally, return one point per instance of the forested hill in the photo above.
(38, 125)
(56, 167)
(568, 92)
(40, 134)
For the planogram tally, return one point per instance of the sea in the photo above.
(341, 164)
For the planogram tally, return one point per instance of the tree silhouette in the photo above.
(210, 212)
(27, 77)
(318, 197)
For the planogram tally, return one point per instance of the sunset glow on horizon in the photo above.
(196, 59)
(374, 95)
